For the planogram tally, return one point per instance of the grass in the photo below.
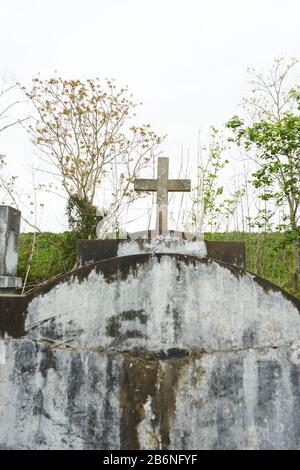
(56, 253)
(264, 255)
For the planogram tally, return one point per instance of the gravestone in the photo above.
(9, 244)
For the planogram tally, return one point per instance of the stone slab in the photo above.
(9, 240)
(10, 282)
(10, 219)
(97, 250)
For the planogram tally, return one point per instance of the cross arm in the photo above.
(179, 185)
(145, 185)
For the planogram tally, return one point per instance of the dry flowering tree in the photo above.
(85, 134)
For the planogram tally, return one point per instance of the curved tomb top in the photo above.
(162, 301)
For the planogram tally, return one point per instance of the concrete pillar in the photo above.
(9, 245)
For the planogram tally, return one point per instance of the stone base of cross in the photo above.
(162, 185)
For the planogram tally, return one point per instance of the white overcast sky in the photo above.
(185, 60)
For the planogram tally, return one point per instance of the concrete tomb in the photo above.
(153, 345)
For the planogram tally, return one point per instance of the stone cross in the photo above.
(162, 185)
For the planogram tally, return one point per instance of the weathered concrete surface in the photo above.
(63, 399)
(153, 351)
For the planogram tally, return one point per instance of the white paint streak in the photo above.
(185, 247)
(2, 353)
(148, 433)
(11, 256)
